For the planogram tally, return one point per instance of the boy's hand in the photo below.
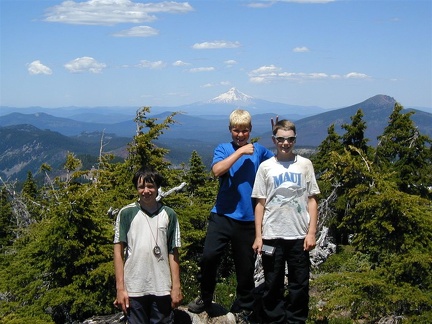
(247, 149)
(257, 246)
(122, 300)
(274, 122)
(176, 297)
(309, 242)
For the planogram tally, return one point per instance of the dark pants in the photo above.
(221, 231)
(150, 310)
(294, 308)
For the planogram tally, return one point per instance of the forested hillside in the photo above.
(25, 148)
(56, 238)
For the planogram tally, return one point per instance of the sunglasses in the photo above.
(281, 139)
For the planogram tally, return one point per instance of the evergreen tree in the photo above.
(196, 175)
(30, 194)
(143, 151)
(63, 265)
(389, 270)
(7, 226)
(354, 135)
(30, 188)
(336, 178)
(72, 164)
(332, 143)
(406, 153)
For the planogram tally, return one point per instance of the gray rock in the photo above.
(182, 316)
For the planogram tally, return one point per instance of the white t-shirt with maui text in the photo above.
(286, 186)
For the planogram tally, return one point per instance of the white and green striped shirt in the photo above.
(144, 273)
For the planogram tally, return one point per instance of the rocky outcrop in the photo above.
(182, 316)
(107, 319)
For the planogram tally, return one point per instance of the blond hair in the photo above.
(240, 117)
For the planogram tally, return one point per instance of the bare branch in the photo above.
(20, 212)
(162, 194)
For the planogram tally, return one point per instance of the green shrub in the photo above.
(366, 296)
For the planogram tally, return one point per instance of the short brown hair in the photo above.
(284, 124)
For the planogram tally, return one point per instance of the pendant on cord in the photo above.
(157, 251)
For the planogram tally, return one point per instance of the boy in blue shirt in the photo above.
(232, 218)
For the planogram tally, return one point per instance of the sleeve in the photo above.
(173, 233)
(267, 154)
(122, 225)
(258, 190)
(264, 153)
(117, 230)
(312, 184)
(219, 154)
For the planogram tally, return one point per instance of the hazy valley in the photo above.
(32, 136)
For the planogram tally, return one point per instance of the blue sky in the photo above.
(330, 54)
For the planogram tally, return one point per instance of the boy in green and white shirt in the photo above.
(146, 260)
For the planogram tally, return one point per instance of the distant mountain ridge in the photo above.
(72, 121)
(312, 129)
(21, 150)
(376, 111)
(221, 105)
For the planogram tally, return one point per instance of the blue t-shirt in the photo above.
(235, 187)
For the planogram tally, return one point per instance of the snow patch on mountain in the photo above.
(233, 96)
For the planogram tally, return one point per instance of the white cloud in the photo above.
(288, 75)
(210, 85)
(356, 75)
(317, 75)
(305, 1)
(139, 31)
(302, 49)
(36, 67)
(180, 63)
(266, 69)
(271, 73)
(265, 4)
(202, 69)
(230, 63)
(151, 65)
(216, 45)
(111, 12)
(85, 64)
(269, 3)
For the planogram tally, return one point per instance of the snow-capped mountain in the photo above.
(233, 96)
(225, 103)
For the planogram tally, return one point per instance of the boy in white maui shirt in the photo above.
(286, 217)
